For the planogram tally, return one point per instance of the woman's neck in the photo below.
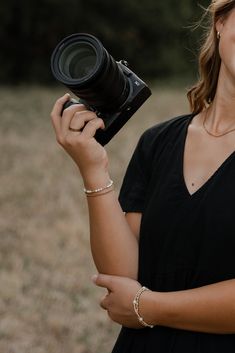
(221, 113)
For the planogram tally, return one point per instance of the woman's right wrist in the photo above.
(96, 180)
(100, 191)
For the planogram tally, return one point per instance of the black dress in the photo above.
(186, 241)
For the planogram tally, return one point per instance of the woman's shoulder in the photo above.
(156, 139)
(163, 132)
(172, 125)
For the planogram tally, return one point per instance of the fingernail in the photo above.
(94, 278)
(67, 95)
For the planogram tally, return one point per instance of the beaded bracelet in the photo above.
(136, 307)
(95, 191)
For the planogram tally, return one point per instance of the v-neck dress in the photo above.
(186, 241)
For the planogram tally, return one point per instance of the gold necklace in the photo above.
(210, 133)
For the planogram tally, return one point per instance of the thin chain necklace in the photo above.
(210, 133)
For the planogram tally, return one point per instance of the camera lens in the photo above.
(82, 64)
(78, 61)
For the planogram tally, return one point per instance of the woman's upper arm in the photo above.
(134, 220)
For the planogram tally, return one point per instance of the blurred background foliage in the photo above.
(154, 36)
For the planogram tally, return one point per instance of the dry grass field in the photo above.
(48, 303)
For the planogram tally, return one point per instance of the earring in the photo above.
(218, 35)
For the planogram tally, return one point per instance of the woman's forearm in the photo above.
(209, 309)
(114, 247)
(113, 244)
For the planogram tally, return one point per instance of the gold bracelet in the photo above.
(95, 191)
(136, 307)
(107, 191)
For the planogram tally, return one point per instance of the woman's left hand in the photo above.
(119, 300)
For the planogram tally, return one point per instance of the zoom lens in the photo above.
(81, 63)
(78, 61)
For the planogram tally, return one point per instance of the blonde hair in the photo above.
(203, 92)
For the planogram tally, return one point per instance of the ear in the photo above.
(221, 22)
(219, 25)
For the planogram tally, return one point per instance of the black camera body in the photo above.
(107, 87)
(114, 121)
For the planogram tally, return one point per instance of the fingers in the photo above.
(56, 112)
(80, 119)
(104, 302)
(76, 119)
(72, 113)
(84, 122)
(104, 281)
(92, 126)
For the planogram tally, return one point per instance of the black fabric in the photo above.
(186, 241)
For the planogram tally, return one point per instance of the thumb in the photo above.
(102, 280)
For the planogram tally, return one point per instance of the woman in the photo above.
(176, 235)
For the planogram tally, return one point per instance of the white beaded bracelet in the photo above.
(136, 307)
(95, 191)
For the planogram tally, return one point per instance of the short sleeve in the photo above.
(135, 182)
(145, 161)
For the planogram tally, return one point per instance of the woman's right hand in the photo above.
(90, 157)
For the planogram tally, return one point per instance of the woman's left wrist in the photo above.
(150, 307)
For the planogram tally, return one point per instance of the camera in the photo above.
(103, 85)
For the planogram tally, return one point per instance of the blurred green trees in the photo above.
(153, 36)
